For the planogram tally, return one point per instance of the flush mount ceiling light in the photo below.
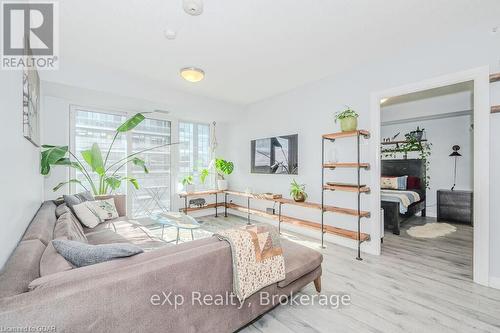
(383, 100)
(192, 74)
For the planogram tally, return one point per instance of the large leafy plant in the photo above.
(223, 167)
(108, 179)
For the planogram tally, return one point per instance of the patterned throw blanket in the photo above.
(405, 198)
(257, 258)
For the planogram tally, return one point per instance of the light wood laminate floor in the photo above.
(416, 285)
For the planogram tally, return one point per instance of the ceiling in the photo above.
(250, 50)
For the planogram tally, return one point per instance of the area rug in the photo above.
(431, 230)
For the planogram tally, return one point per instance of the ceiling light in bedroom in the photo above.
(383, 100)
(192, 74)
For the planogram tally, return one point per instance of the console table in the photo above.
(455, 206)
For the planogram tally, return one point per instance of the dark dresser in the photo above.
(454, 206)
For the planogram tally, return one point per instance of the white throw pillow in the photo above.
(105, 209)
(87, 214)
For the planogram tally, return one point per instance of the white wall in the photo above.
(443, 134)
(59, 98)
(309, 110)
(21, 182)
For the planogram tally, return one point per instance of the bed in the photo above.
(401, 204)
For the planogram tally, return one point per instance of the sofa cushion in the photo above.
(75, 199)
(52, 262)
(81, 254)
(22, 267)
(61, 209)
(299, 260)
(105, 236)
(69, 227)
(42, 225)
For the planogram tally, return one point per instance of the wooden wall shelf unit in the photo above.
(278, 199)
(195, 194)
(357, 188)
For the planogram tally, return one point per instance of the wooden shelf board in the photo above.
(495, 109)
(302, 223)
(347, 188)
(193, 209)
(346, 165)
(261, 196)
(494, 77)
(338, 135)
(327, 208)
(399, 142)
(198, 193)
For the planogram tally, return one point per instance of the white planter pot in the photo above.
(190, 188)
(222, 184)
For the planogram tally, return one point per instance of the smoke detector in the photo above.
(193, 7)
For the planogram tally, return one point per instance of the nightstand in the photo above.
(454, 206)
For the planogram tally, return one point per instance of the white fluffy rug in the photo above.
(431, 230)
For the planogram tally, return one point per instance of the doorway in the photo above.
(480, 174)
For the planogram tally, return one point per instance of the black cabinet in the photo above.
(454, 206)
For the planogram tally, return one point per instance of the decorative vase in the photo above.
(299, 197)
(222, 184)
(348, 124)
(331, 155)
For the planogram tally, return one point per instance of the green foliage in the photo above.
(108, 180)
(203, 175)
(223, 167)
(296, 189)
(188, 180)
(411, 144)
(347, 113)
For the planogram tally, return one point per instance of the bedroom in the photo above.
(427, 164)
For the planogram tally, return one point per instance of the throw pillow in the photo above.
(81, 254)
(413, 183)
(52, 262)
(87, 214)
(75, 199)
(389, 183)
(105, 209)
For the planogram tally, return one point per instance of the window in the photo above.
(153, 195)
(194, 152)
(96, 127)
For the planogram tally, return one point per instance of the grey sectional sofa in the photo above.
(37, 289)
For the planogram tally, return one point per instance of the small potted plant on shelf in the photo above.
(188, 183)
(348, 119)
(298, 191)
(418, 133)
(223, 168)
(203, 175)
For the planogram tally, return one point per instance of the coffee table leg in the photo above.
(162, 229)
(177, 240)
(216, 205)
(192, 235)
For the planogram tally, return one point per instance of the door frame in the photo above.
(481, 112)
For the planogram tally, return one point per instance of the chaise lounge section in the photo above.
(130, 294)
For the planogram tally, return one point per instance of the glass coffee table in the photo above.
(178, 221)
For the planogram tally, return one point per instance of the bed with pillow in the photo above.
(402, 191)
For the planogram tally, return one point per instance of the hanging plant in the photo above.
(412, 144)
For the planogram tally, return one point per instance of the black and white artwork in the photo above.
(276, 155)
(31, 106)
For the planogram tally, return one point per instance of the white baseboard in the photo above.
(494, 282)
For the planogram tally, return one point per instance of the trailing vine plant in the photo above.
(411, 144)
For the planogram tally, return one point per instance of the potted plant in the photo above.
(203, 175)
(348, 120)
(298, 191)
(223, 168)
(418, 133)
(101, 175)
(188, 183)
